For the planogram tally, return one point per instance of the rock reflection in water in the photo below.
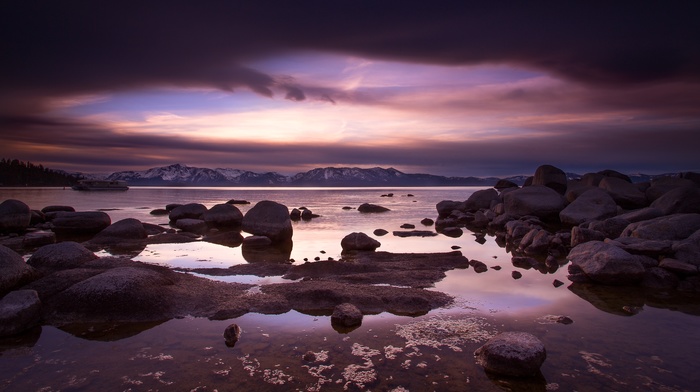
(629, 300)
(277, 253)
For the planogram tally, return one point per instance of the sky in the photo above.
(446, 88)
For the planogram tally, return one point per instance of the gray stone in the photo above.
(14, 216)
(481, 199)
(679, 200)
(606, 264)
(346, 315)
(187, 211)
(14, 272)
(611, 227)
(63, 255)
(19, 311)
(223, 216)
(269, 219)
(445, 207)
(641, 246)
(551, 177)
(536, 200)
(517, 354)
(80, 223)
(576, 188)
(359, 241)
(594, 204)
(581, 235)
(625, 194)
(370, 208)
(673, 227)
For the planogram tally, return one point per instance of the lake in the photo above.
(620, 338)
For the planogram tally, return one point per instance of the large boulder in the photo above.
(269, 219)
(505, 184)
(605, 263)
(680, 200)
(517, 354)
(551, 177)
(445, 207)
(481, 199)
(661, 185)
(642, 214)
(359, 241)
(19, 311)
(187, 211)
(576, 188)
(196, 226)
(674, 227)
(540, 201)
(48, 209)
(80, 223)
(223, 215)
(62, 255)
(14, 272)
(14, 216)
(688, 250)
(125, 229)
(594, 204)
(346, 315)
(625, 194)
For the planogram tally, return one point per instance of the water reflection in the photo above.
(630, 300)
(108, 332)
(275, 253)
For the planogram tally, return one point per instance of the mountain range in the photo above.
(183, 175)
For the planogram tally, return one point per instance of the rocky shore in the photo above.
(606, 230)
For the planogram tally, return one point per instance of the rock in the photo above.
(62, 255)
(659, 278)
(516, 274)
(504, 184)
(640, 246)
(591, 179)
(536, 200)
(359, 241)
(478, 266)
(170, 207)
(14, 272)
(408, 226)
(231, 239)
(661, 185)
(688, 250)
(415, 233)
(615, 174)
(152, 229)
(427, 222)
(481, 199)
(159, 212)
(15, 216)
(581, 235)
(231, 335)
(223, 216)
(517, 354)
(674, 227)
(557, 283)
(269, 219)
(19, 311)
(196, 226)
(125, 229)
(295, 214)
(611, 227)
(80, 223)
(551, 177)
(38, 239)
(625, 194)
(576, 188)
(257, 241)
(187, 211)
(678, 201)
(346, 315)
(678, 267)
(445, 207)
(380, 232)
(453, 232)
(606, 264)
(368, 208)
(641, 214)
(234, 201)
(594, 204)
(692, 176)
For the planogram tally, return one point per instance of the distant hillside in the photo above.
(17, 173)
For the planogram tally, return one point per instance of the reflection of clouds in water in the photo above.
(191, 255)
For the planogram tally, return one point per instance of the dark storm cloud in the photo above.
(72, 47)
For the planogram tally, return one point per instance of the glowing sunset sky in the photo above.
(424, 87)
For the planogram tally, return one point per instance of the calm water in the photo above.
(606, 348)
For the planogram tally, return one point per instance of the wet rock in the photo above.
(371, 208)
(346, 315)
(14, 272)
(172, 238)
(415, 233)
(625, 194)
(227, 238)
(606, 264)
(80, 223)
(359, 241)
(187, 211)
(278, 252)
(380, 232)
(536, 200)
(231, 335)
(479, 266)
(595, 204)
(172, 206)
(481, 199)
(551, 177)
(517, 354)
(19, 311)
(196, 226)
(15, 216)
(557, 283)
(223, 216)
(673, 227)
(269, 219)
(62, 255)
(427, 222)
(679, 200)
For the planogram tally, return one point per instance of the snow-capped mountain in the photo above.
(178, 174)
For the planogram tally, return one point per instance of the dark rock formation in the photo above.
(605, 263)
(594, 204)
(19, 311)
(187, 211)
(63, 255)
(14, 272)
(67, 224)
(370, 208)
(359, 241)
(269, 219)
(14, 216)
(535, 200)
(517, 354)
(551, 177)
(346, 315)
(223, 216)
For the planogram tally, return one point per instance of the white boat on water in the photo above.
(100, 185)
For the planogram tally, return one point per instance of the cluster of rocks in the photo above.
(612, 231)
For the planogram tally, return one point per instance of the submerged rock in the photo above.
(368, 208)
(346, 315)
(517, 354)
(231, 335)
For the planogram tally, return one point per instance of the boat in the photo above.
(100, 185)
